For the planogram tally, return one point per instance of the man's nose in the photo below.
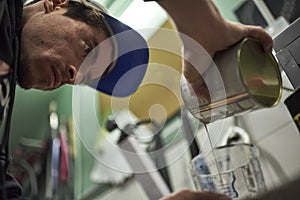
(71, 74)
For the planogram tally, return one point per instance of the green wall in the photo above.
(30, 119)
(227, 8)
(31, 108)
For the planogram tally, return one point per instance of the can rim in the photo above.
(279, 78)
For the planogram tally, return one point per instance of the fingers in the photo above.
(260, 34)
(196, 195)
(191, 73)
(4, 68)
(200, 90)
(237, 31)
(196, 84)
(210, 196)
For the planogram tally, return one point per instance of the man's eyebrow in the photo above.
(95, 46)
(95, 42)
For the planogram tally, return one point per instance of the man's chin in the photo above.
(23, 84)
(23, 87)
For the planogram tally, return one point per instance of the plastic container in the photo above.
(233, 170)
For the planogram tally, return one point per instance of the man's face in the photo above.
(53, 47)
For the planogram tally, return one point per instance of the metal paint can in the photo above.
(247, 78)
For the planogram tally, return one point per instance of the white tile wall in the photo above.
(178, 159)
(274, 132)
(265, 122)
(280, 155)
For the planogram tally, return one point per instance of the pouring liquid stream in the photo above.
(213, 153)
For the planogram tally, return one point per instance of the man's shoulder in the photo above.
(10, 27)
(5, 92)
(13, 7)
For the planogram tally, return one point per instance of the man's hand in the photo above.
(195, 195)
(196, 83)
(201, 21)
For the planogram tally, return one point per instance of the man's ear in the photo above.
(51, 5)
(60, 3)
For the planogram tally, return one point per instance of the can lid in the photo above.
(260, 73)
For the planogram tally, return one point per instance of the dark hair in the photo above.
(83, 12)
(86, 14)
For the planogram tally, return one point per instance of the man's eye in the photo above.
(87, 49)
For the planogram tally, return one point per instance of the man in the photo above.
(52, 38)
(65, 56)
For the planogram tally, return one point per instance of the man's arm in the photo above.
(201, 20)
